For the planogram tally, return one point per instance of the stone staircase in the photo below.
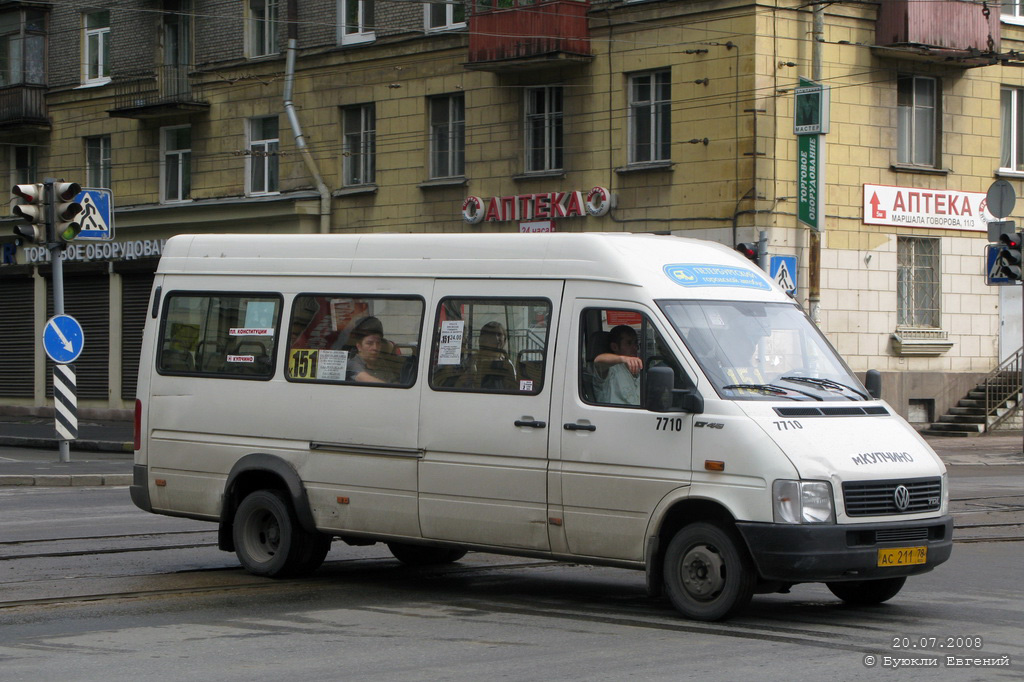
(970, 417)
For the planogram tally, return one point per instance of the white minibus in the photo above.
(640, 401)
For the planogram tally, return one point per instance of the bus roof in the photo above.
(663, 263)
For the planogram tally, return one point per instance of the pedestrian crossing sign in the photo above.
(97, 216)
(783, 272)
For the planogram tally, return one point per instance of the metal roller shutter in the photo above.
(87, 299)
(135, 290)
(18, 338)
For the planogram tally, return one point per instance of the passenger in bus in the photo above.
(491, 366)
(371, 362)
(618, 371)
(178, 355)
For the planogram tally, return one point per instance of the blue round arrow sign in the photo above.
(63, 339)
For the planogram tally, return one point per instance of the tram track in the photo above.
(813, 624)
(178, 540)
(6, 547)
(577, 607)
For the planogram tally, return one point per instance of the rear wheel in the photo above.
(421, 555)
(269, 541)
(708, 574)
(867, 592)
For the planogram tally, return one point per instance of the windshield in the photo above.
(762, 351)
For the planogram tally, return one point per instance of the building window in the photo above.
(177, 165)
(262, 27)
(650, 117)
(262, 158)
(491, 5)
(1013, 8)
(177, 51)
(544, 129)
(918, 106)
(355, 24)
(24, 165)
(1012, 112)
(918, 280)
(23, 47)
(97, 160)
(447, 136)
(360, 144)
(441, 16)
(24, 168)
(97, 47)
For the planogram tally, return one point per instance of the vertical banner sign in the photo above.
(65, 400)
(809, 181)
(810, 121)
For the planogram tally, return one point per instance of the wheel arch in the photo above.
(260, 471)
(677, 515)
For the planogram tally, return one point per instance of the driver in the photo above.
(618, 371)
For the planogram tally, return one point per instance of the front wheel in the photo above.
(268, 539)
(708, 574)
(422, 555)
(867, 592)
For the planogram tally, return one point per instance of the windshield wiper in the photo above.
(771, 389)
(827, 384)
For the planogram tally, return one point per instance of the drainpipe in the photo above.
(293, 119)
(814, 257)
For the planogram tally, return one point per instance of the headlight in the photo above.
(944, 504)
(802, 501)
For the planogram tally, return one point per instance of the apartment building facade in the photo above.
(504, 115)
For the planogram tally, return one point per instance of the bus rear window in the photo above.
(219, 334)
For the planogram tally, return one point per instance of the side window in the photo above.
(616, 348)
(211, 334)
(370, 340)
(490, 345)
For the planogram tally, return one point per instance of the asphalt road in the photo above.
(93, 589)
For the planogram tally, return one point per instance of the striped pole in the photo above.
(65, 400)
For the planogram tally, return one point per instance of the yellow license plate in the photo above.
(902, 556)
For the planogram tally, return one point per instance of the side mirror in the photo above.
(659, 391)
(873, 382)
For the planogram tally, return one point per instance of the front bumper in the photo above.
(830, 552)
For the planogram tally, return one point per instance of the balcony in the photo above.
(528, 35)
(959, 33)
(23, 109)
(168, 91)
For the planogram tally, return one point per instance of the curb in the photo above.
(53, 444)
(65, 480)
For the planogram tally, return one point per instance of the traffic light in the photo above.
(32, 211)
(750, 250)
(1008, 261)
(66, 210)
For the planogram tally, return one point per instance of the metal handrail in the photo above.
(1000, 385)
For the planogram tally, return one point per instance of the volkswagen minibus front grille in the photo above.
(883, 498)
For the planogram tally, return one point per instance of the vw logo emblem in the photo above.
(901, 496)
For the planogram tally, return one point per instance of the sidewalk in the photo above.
(30, 455)
(103, 455)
